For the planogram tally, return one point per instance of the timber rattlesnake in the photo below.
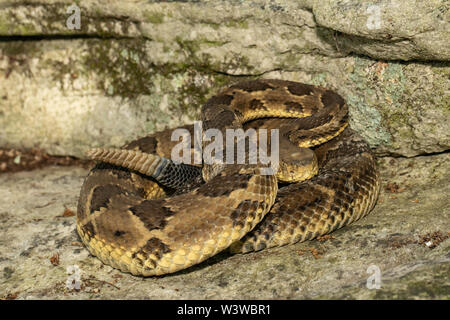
(143, 214)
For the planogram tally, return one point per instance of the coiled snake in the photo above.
(141, 213)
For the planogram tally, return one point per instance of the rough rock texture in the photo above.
(136, 67)
(393, 237)
(393, 30)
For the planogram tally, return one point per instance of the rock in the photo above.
(405, 238)
(388, 29)
(134, 68)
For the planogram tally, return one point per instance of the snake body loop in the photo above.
(141, 213)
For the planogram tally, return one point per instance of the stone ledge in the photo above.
(33, 229)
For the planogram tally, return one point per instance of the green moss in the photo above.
(127, 74)
(215, 26)
(10, 28)
(124, 69)
(154, 17)
(426, 289)
(439, 96)
(203, 61)
(288, 59)
(55, 16)
(192, 47)
(240, 24)
(16, 48)
(191, 93)
(4, 26)
(397, 118)
(441, 68)
(333, 260)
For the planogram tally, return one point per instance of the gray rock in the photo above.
(132, 69)
(388, 29)
(391, 238)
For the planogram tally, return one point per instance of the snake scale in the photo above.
(142, 213)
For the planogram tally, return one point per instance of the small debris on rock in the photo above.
(10, 296)
(314, 251)
(54, 260)
(67, 213)
(397, 242)
(432, 240)
(12, 160)
(394, 188)
(325, 237)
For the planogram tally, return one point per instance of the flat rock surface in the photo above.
(405, 238)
